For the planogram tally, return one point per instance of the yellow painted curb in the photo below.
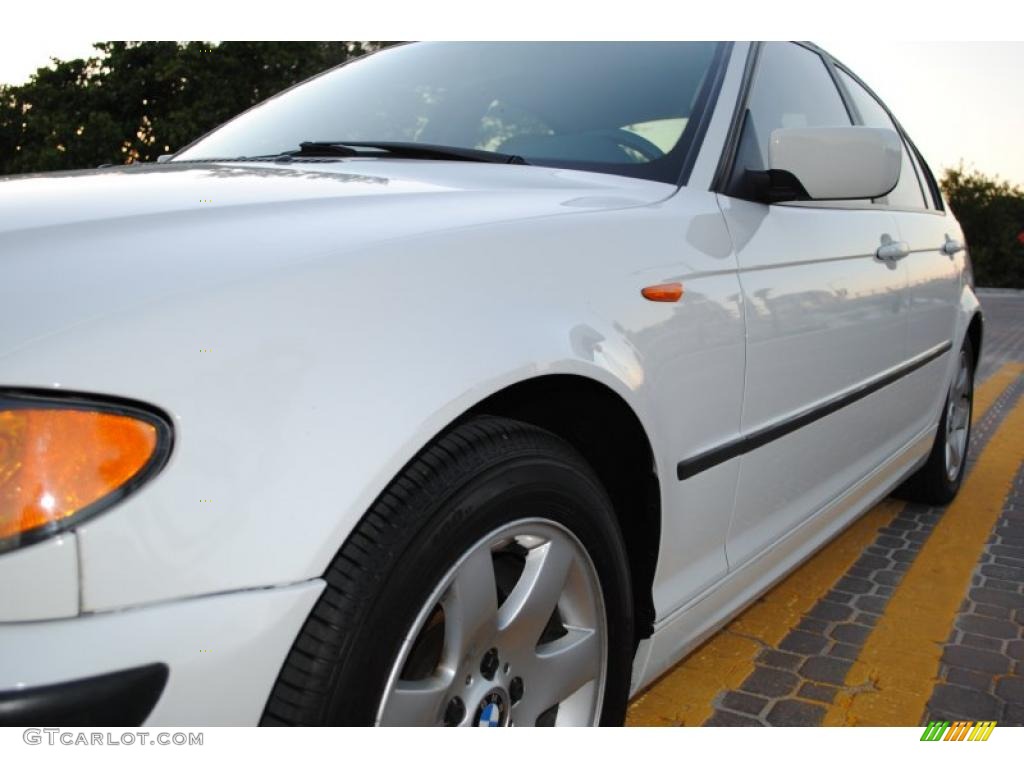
(986, 394)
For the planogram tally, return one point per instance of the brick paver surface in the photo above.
(982, 673)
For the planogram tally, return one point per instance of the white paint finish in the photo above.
(303, 411)
(40, 581)
(690, 352)
(823, 316)
(932, 301)
(786, 482)
(840, 162)
(694, 529)
(223, 651)
(934, 277)
(53, 199)
(126, 237)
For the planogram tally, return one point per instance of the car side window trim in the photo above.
(732, 138)
(928, 178)
(925, 194)
(856, 118)
(704, 108)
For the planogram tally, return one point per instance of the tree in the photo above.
(991, 212)
(134, 101)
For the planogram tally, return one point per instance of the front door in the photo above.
(825, 322)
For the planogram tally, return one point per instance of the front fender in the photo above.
(297, 397)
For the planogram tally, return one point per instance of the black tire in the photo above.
(477, 476)
(931, 484)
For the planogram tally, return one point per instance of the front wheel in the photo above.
(487, 586)
(939, 480)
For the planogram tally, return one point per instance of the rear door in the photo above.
(825, 317)
(932, 272)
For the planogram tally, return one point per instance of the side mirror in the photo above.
(837, 163)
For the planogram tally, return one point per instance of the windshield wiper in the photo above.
(239, 159)
(404, 149)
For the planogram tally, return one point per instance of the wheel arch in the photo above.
(970, 321)
(607, 432)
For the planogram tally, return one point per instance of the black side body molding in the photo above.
(703, 461)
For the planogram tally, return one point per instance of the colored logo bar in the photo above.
(961, 730)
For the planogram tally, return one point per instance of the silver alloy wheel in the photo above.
(958, 418)
(539, 654)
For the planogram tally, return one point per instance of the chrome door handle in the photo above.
(892, 251)
(952, 247)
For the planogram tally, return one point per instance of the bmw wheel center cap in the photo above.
(493, 710)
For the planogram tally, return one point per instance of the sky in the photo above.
(20, 59)
(957, 100)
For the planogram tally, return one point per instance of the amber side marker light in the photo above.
(63, 461)
(663, 292)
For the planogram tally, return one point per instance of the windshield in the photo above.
(612, 107)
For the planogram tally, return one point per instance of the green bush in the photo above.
(991, 212)
(132, 102)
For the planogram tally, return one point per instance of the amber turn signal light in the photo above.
(663, 292)
(57, 461)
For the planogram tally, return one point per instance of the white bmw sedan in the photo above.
(463, 384)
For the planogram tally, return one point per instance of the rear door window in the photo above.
(908, 193)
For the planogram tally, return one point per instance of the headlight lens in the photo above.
(64, 460)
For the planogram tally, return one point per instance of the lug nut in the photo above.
(489, 664)
(515, 689)
(455, 712)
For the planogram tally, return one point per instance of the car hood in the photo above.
(114, 194)
(79, 245)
